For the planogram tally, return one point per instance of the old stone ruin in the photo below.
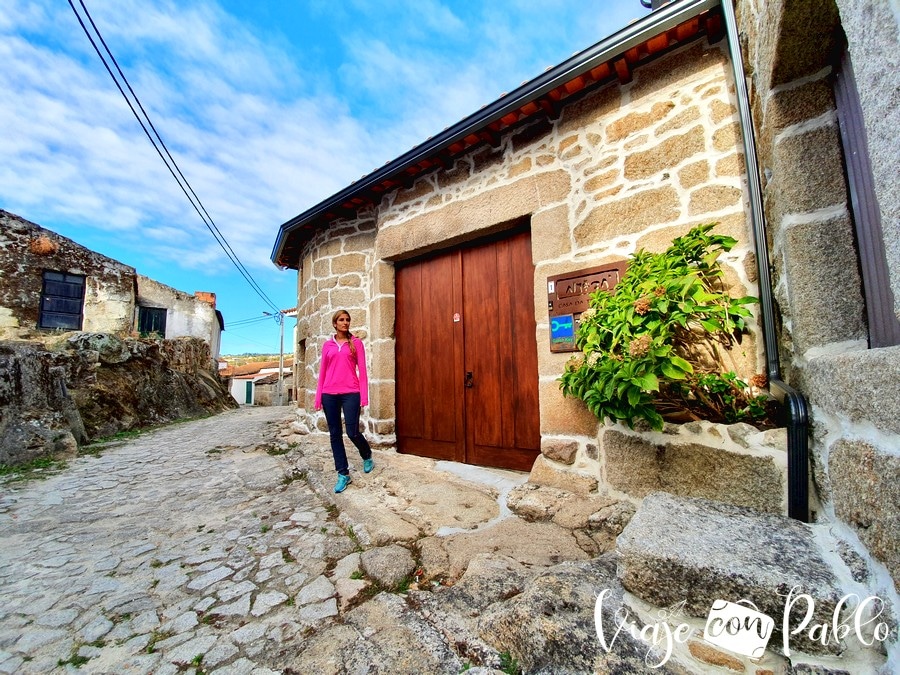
(59, 395)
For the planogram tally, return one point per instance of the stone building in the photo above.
(51, 283)
(73, 366)
(443, 258)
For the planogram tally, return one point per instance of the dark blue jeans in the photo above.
(333, 404)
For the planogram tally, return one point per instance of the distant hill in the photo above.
(243, 359)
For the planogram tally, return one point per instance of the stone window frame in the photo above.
(884, 328)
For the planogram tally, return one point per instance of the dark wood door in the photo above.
(502, 415)
(428, 359)
(466, 357)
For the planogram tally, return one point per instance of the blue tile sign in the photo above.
(562, 332)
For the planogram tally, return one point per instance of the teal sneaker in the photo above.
(342, 482)
(368, 465)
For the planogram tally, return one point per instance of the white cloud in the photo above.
(263, 127)
(75, 151)
(259, 139)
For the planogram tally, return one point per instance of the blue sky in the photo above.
(268, 108)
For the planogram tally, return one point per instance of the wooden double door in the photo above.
(466, 358)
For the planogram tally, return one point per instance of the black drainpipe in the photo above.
(793, 402)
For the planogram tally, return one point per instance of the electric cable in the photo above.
(183, 183)
(251, 319)
(247, 322)
(217, 233)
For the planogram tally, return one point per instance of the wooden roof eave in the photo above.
(613, 47)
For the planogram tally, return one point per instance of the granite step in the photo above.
(699, 554)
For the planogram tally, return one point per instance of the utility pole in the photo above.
(279, 318)
(281, 360)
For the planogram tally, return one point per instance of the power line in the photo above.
(251, 319)
(246, 322)
(182, 182)
(170, 163)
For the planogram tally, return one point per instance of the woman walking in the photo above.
(343, 387)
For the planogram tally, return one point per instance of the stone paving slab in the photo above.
(153, 556)
(218, 546)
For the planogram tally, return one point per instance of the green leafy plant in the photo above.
(75, 659)
(509, 664)
(654, 348)
(402, 586)
(354, 538)
(157, 636)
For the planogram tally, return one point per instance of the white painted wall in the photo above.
(186, 315)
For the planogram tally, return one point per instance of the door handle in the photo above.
(470, 380)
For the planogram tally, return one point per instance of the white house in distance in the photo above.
(257, 383)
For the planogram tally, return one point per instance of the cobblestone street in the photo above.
(189, 547)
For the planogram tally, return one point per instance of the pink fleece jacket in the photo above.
(338, 371)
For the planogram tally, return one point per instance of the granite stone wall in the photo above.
(92, 385)
(789, 51)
